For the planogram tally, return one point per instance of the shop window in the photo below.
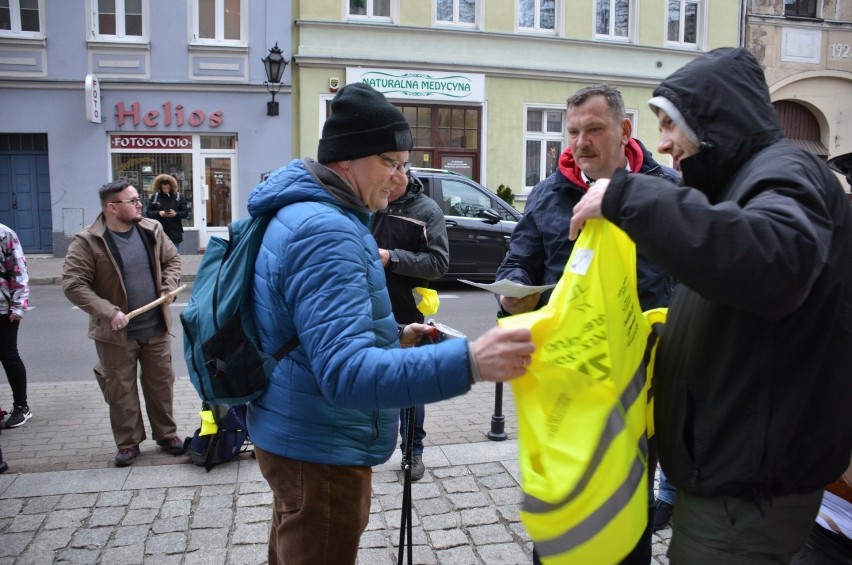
(370, 9)
(544, 137)
(682, 24)
(456, 12)
(22, 18)
(140, 169)
(119, 20)
(537, 15)
(800, 8)
(220, 22)
(612, 19)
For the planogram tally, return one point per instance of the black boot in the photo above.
(3, 465)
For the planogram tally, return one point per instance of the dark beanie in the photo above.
(362, 123)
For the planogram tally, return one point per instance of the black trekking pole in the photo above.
(405, 514)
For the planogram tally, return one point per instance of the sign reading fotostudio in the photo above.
(421, 85)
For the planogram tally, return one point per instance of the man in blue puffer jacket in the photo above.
(331, 409)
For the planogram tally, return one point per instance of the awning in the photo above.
(810, 145)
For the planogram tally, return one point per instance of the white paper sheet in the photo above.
(509, 288)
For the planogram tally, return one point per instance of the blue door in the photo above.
(25, 199)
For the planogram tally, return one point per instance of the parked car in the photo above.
(479, 223)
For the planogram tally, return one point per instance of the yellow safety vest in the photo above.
(582, 407)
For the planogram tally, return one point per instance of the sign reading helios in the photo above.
(395, 83)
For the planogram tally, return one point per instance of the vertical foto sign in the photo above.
(93, 99)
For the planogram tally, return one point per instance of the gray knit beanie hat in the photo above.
(362, 123)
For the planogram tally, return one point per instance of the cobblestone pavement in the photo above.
(62, 499)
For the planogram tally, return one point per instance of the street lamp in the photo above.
(274, 63)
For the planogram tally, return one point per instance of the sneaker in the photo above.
(417, 466)
(19, 415)
(174, 446)
(662, 515)
(126, 456)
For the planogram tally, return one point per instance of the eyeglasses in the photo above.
(396, 166)
(132, 201)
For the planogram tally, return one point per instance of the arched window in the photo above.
(801, 127)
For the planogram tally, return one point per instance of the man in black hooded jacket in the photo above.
(752, 383)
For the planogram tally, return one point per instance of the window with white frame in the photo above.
(544, 139)
(537, 15)
(22, 18)
(122, 20)
(612, 19)
(220, 22)
(457, 12)
(370, 9)
(682, 24)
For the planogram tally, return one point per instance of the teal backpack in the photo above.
(220, 342)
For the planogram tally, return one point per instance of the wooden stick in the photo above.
(156, 302)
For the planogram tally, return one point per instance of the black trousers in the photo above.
(16, 373)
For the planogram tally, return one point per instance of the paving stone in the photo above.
(442, 539)
(174, 542)
(129, 535)
(75, 556)
(492, 533)
(148, 499)
(115, 498)
(461, 484)
(444, 472)
(208, 538)
(503, 496)
(67, 518)
(500, 480)
(53, 539)
(375, 557)
(373, 539)
(211, 556)
(432, 506)
(251, 534)
(375, 522)
(253, 487)
(479, 516)
(252, 514)
(441, 521)
(141, 516)
(163, 559)
(468, 500)
(249, 554)
(32, 556)
(91, 538)
(456, 555)
(217, 490)
(14, 544)
(126, 555)
(256, 499)
(181, 493)
(25, 523)
(504, 554)
(175, 508)
(423, 491)
(221, 518)
(214, 503)
(11, 507)
(164, 526)
(70, 501)
(107, 516)
(40, 504)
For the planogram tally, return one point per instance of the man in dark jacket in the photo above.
(167, 206)
(413, 246)
(752, 386)
(599, 143)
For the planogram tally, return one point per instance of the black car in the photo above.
(479, 223)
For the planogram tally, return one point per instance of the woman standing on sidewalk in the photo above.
(14, 298)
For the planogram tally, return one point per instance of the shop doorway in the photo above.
(218, 202)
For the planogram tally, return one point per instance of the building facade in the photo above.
(92, 91)
(805, 47)
(484, 84)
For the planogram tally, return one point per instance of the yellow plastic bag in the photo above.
(582, 407)
(427, 300)
(208, 423)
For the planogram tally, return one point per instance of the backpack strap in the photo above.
(287, 348)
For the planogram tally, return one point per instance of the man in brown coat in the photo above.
(115, 265)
